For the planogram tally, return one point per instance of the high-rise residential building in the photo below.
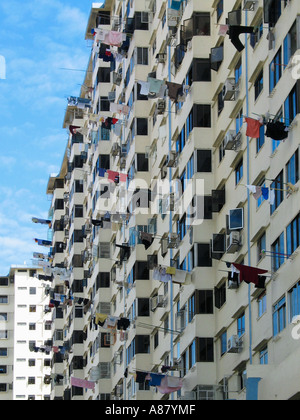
(175, 215)
(25, 372)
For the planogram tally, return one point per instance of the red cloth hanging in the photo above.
(253, 128)
(249, 274)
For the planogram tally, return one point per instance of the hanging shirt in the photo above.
(277, 130)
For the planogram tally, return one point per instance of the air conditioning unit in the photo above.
(88, 228)
(234, 242)
(119, 390)
(229, 89)
(230, 140)
(90, 187)
(180, 321)
(249, 4)
(157, 302)
(173, 241)
(161, 106)
(112, 96)
(115, 151)
(232, 285)
(122, 163)
(172, 160)
(234, 344)
(161, 58)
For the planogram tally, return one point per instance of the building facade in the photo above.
(25, 336)
(182, 160)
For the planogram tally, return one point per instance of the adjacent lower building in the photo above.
(182, 160)
(26, 347)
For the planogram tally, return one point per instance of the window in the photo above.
(192, 354)
(290, 44)
(191, 308)
(32, 327)
(277, 185)
(204, 161)
(239, 172)
(261, 246)
(4, 281)
(264, 356)
(202, 255)
(103, 75)
(3, 316)
(262, 304)
(275, 70)
(200, 71)
(142, 56)
(204, 302)
(261, 140)
(293, 236)
(142, 343)
(3, 352)
(103, 280)
(206, 350)
(142, 162)
(142, 126)
(294, 301)
(277, 250)
(241, 324)
(257, 34)
(259, 85)
(220, 296)
(31, 380)
(238, 71)
(220, 9)
(279, 316)
(32, 290)
(143, 307)
(292, 169)
(202, 116)
(223, 341)
(291, 107)
(239, 121)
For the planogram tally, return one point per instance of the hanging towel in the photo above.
(223, 29)
(144, 88)
(155, 85)
(253, 128)
(100, 318)
(165, 389)
(81, 383)
(171, 271)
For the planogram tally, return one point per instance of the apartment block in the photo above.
(175, 214)
(25, 336)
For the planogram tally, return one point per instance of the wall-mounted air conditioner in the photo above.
(250, 4)
(234, 242)
(229, 90)
(157, 302)
(234, 344)
(229, 140)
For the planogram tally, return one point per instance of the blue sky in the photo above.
(37, 39)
